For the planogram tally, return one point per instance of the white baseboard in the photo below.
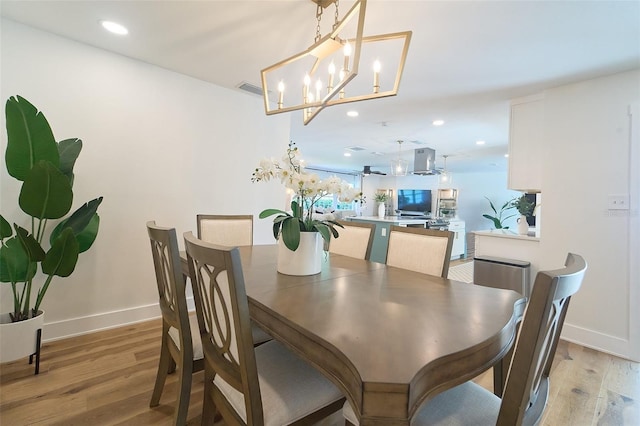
(598, 341)
(84, 325)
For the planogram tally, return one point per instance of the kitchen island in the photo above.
(381, 234)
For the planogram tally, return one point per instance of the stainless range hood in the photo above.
(424, 162)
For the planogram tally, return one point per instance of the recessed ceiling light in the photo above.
(438, 122)
(347, 154)
(114, 27)
(479, 142)
(352, 113)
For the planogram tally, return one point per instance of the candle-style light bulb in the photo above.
(332, 71)
(305, 88)
(376, 76)
(318, 88)
(347, 55)
(342, 74)
(280, 94)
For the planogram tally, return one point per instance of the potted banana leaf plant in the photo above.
(499, 217)
(44, 169)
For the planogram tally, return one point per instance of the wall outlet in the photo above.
(618, 202)
(383, 232)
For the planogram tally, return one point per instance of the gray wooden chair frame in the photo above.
(220, 322)
(428, 233)
(370, 226)
(173, 305)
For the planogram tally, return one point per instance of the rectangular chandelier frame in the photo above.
(326, 46)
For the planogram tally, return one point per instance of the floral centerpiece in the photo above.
(307, 188)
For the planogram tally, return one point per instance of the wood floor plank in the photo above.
(106, 378)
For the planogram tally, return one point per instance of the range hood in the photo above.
(424, 162)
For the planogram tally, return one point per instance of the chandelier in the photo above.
(325, 74)
(399, 166)
(445, 177)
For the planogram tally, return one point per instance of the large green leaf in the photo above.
(69, 149)
(62, 257)
(14, 263)
(5, 228)
(46, 193)
(88, 235)
(323, 230)
(29, 138)
(79, 220)
(291, 233)
(29, 244)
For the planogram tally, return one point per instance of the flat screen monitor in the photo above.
(414, 200)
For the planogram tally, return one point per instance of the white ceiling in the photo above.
(466, 60)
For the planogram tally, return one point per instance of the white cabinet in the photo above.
(459, 238)
(526, 133)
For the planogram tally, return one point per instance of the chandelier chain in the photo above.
(336, 20)
(319, 18)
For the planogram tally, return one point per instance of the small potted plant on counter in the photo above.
(525, 208)
(381, 198)
(498, 219)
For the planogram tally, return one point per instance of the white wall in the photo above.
(157, 145)
(589, 145)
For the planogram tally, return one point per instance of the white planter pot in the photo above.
(306, 260)
(381, 210)
(18, 339)
(523, 226)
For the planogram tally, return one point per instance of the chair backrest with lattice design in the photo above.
(527, 386)
(171, 283)
(223, 316)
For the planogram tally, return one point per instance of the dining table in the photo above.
(389, 338)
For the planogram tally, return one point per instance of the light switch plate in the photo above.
(618, 202)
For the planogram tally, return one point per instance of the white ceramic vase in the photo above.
(381, 210)
(18, 339)
(523, 226)
(306, 260)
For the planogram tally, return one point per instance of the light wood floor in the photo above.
(106, 378)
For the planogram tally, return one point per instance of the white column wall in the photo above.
(588, 145)
(157, 145)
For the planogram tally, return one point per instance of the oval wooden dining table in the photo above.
(388, 337)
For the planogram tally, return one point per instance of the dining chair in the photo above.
(230, 231)
(263, 385)
(427, 251)
(225, 230)
(527, 386)
(180, 346)
(354, 240)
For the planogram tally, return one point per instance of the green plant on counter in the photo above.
(523, 205)
(381, 197)
(45, 168)
(498, 218)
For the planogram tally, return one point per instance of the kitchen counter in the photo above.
(508, 244)
(395, 220)
(506, 233)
